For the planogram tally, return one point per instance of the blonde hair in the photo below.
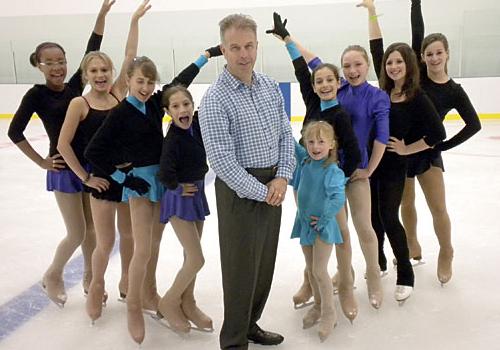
(322, 130)
(93, 55)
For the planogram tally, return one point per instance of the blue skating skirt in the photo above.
(148, 173)
(64, 180)
(193, 208)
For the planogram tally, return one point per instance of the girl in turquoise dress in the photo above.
(320, 195)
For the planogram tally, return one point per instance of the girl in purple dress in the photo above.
(50, 102)
(183, 165)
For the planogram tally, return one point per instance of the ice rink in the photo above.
(463, 315)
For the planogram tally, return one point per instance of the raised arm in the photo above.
(374, 31)
(187, 75)
(101, 16)
(417, 27)
(94, 44)
(120, 86)
(299, 63)
(374, 35)
(279, 30)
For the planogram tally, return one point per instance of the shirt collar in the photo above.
(235, 83)
(329, 104)
(361, 87)
(141, 106)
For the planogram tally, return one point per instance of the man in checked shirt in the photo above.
(249, 145)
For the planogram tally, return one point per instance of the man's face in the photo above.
(240, 50)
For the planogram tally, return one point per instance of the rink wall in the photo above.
(483, 92)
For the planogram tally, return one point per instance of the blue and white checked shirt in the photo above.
(246, 127)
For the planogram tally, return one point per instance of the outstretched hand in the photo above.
(366, 4)
(279, 30)
(214, 51)
(106, 6)
(142, 9)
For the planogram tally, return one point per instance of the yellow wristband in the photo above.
(374, 17)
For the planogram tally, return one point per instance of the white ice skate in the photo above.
(402, 293)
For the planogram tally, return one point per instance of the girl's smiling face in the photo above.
(318, 147)
(140, 86)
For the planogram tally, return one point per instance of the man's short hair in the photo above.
(238, 21)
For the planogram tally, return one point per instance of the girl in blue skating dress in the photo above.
(320, 195)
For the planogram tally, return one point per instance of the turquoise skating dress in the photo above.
(321, 193)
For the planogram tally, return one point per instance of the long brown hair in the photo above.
(411, 85)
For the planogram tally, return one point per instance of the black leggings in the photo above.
(386, 198)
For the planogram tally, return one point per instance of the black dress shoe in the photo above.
(262, 337)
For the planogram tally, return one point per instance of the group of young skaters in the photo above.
(108, 159)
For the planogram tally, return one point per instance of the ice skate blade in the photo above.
(149, 312)
(308, 325)
(336, 290)
(202, 330)
(402, 301)
(402, 293)
(383, 273)
(443, 284)
(414, 262)
(59, 304)
(303, 305)
(163, 322)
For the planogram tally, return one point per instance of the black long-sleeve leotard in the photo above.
(410, 120)
(350, 155)
(446, 96)
(130, 134)
(183, 157)
(51, 107)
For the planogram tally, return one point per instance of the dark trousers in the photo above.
(248, 240)
(386, 198)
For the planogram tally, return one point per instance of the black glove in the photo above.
(279, 27)
(214, 51)
(137, 184)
